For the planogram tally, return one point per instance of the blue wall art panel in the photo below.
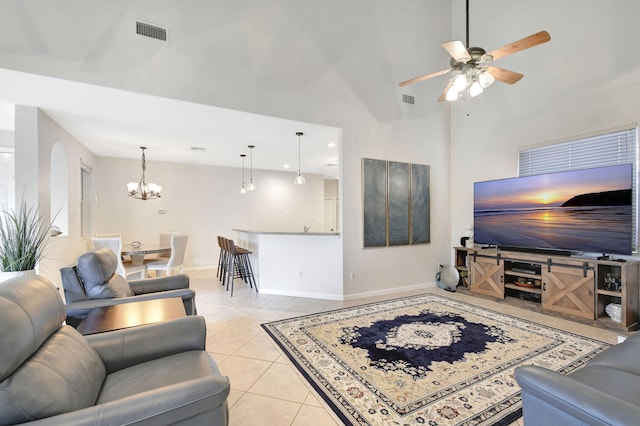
(420, 205)
(396, 203)
(375, 202)
(399, 183)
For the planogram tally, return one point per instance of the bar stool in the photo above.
(238, 266)
(222, 260)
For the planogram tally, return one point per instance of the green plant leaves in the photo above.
(23, 238)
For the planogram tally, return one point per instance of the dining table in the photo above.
(137, 252)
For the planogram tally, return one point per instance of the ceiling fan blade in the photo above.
(425, 77)
(443, 96)
(505, 76)
(457, 51)
(517, 46)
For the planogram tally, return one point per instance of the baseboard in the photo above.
(322, 296)
(326, 296)
(388, 291)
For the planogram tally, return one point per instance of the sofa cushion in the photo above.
(144, 377)
(65, 374)
(97, 270)
(623, 356)
(30, 311)
(620, 384)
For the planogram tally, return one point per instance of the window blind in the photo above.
(607, 149)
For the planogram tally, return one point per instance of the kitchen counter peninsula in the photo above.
(301, 264)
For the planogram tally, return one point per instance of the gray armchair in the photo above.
(157, 374)
(93, 282)
(603, 392)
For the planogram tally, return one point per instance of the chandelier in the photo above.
(143, 190)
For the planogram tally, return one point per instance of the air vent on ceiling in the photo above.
(407, 99)
(152, 31)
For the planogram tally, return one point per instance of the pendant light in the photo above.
(143, 190)
(243, 190)
(299, 179)
(251, 186)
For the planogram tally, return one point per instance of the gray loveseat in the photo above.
(93, 283)
(606, 391)
(157, 374)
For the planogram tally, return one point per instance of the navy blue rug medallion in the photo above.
(423, 360)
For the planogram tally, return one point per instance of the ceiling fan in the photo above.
(471, 65)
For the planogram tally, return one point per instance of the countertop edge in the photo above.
(316, 234)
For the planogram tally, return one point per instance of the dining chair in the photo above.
(178, 243)
(125, 268)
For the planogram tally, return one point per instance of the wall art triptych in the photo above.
(395, 203)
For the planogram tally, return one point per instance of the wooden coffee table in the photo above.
(125, 315)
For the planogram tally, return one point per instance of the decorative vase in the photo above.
(4, 276)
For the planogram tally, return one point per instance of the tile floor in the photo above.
(265, 388)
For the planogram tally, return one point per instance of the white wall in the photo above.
(202, 201)
(328, 62)
(7, 138)
(338, 63)
(583, 80)
(36, 134)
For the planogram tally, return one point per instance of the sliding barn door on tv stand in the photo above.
(571, 286)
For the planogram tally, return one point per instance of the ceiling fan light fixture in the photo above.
(452, 94)
(475, 89)
(469, 65)
(460, 83)
(485, 79)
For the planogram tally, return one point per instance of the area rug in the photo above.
(424, 359)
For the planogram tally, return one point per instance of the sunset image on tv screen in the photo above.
(583, 210)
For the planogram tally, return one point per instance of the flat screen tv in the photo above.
(573, 212)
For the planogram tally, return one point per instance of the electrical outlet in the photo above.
(353, 275)
(300, 274)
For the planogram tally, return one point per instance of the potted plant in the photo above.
(24, 235)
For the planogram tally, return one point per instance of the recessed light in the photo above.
(286, 166)
(331, 144)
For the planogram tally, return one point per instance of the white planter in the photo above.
(4, 276)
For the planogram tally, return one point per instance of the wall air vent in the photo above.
(152, 31)
(407, 99)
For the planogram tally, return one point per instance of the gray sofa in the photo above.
(606, 391)
(93, 283)
(157, 374)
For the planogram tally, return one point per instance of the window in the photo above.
(86, 207)
(59, 187)
(7, 179)
(617, 146)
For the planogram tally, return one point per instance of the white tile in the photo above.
(265, 387)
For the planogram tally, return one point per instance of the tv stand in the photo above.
(578, 287)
